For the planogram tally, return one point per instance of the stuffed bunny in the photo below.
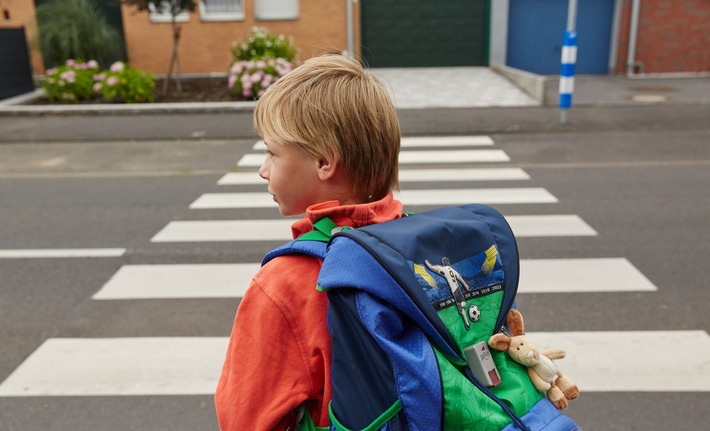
(542, 370)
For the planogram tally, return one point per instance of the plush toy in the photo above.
(543, 372)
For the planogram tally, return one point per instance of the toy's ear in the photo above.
(515, 322)
(499, 342)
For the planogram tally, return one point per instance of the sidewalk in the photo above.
(445, 101)
(453, 87)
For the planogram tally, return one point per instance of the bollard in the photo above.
(569, 59)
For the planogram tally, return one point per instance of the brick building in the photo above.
(207, 35)
(21, 14)
(671, 36)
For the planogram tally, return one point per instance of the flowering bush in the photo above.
(124, 84)
(70, 82)
(252, 78)
(76, 81)
(260, 44)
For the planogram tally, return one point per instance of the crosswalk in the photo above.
(599, 361)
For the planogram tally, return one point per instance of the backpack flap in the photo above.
(443, 259)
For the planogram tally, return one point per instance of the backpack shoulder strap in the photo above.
(307, 247)
(313, 243)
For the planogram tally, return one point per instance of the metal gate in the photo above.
(536, 28)
(424, 33)
(15, 70)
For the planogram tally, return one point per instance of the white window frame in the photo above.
(221, 16)
(276, 10)
(162, 17)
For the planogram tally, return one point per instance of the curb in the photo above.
(18, 106)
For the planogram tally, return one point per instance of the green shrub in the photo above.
(124, 84)
(71, 82)
(260, 44)
(76, 29)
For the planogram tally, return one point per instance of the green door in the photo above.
(424, 33)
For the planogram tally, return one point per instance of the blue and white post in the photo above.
(569, 59)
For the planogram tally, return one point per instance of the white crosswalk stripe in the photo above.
(416, 157)
(119, 366)
(633, 361)
(426, 141)
(52, 253)
(412, 197)
(598, 361)
(407, 176)
(179, 281)
(581, 275)
(279, 230)
(231, 280)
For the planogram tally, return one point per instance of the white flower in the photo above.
(117, 67)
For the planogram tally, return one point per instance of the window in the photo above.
(275, 9)
(165, 16)
(221, 10)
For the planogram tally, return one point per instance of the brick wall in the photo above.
(205, 45)
(673, 36)
(21, 13)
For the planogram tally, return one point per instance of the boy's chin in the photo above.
(286, 212)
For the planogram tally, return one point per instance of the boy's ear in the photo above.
(327, 167)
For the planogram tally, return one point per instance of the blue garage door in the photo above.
(536, 29)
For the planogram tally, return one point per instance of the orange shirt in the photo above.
(279, 352)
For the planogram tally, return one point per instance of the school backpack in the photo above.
(412, 303)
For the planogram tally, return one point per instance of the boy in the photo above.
(333, 137)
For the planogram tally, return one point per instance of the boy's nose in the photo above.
(263, 172)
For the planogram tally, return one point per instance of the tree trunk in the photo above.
(174, 60)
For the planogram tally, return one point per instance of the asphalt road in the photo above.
(643, 188)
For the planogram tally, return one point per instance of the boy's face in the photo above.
(292, 175)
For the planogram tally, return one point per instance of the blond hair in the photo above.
(331, 106)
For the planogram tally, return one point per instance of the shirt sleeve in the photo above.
(264, 377)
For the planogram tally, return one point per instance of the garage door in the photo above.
(424, 33)
(536, 29)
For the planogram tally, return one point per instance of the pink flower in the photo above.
(247, 92)
(69, 76)
(237, 68)
(51, 71)
(70, 62)
(260, 93)
(111, 81)
(117, 67)
(231, 81)
(97, 87)
(92, 64)
(99, 77)
(257, 77)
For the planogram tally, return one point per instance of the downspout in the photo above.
(633, 32)
(349, 17)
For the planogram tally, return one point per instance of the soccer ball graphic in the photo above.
(474, 313)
